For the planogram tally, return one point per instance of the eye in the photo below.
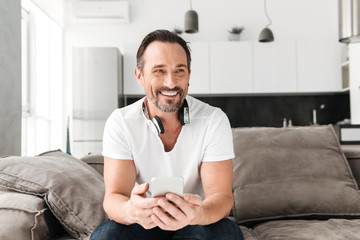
(180, 70)
(159, 71)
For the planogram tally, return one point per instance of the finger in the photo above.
(148, 223)
(162, 219)
(193, 198)
(156, 220)
(143, 203)
(182, 205)
(142, 213)
(172, 209)
(140, 189)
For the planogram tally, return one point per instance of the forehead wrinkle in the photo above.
(158, 65)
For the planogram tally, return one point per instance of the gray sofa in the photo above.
(289, 183)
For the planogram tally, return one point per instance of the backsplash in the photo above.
(269, 111)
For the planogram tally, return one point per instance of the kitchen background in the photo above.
(81, 59)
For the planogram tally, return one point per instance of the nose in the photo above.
(170, 80)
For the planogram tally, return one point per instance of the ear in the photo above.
(138, 76)
(189, 73)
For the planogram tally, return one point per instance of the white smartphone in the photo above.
(159, 186)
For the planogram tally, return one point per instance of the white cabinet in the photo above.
(275, 67)
(131, 85)
(231, 67)
(354, 71)
(96, 84)
(253, 67)
(319, 66)
(199, 78)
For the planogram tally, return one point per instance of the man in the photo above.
(154, 137)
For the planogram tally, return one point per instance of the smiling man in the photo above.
(167, 133)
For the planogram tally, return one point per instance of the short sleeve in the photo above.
(116, 140)
(219, 140)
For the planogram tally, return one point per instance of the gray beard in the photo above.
(170, 107)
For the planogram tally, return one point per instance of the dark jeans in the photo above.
(225, 229)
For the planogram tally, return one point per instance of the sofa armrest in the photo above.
(95, 160)
(352, 153)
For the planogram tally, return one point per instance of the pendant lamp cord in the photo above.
(190, 4)
(266, 14)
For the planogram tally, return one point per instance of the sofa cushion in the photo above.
(72, 190)
(24, 216)
(291, 173)
(332, 229)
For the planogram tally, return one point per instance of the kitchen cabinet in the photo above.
(231, 67)
(354, 79)
(251, 67)
(319, 66)
(131, 85)
(275, 67)
(97, 83)
(200, 75)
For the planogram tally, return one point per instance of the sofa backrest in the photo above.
(352, 153)
(291, 173)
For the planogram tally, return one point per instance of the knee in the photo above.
(107, 230)
(226, 229)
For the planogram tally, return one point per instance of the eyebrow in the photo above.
(163, 65)
(181, 65)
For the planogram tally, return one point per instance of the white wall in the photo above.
(53, 8)
(292, 19)
(10, 77)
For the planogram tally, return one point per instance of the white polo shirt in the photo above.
(130, 135)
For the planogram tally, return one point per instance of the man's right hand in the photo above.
(140, 207)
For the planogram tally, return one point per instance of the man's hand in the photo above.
(175, 212)
(140, 207)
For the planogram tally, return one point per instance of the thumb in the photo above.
(140, 189)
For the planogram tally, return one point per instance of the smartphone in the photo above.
(159, 186)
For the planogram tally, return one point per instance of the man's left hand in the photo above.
(177, 212)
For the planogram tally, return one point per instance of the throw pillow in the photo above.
(291, 172)
(23, 216)
(72, 190)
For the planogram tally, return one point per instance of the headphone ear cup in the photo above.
(181, 116)
(158, 124)
(184, 114)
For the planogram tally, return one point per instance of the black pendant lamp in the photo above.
(191, 21)
(266, 34)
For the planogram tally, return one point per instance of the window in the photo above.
(42, 79)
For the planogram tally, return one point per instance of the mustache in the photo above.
(177, 89)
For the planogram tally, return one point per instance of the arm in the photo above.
(123, 202)
(217, 183)
(217, 178)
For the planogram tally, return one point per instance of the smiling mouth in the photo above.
(169, 93)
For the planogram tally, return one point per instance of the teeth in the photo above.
(169, 93)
